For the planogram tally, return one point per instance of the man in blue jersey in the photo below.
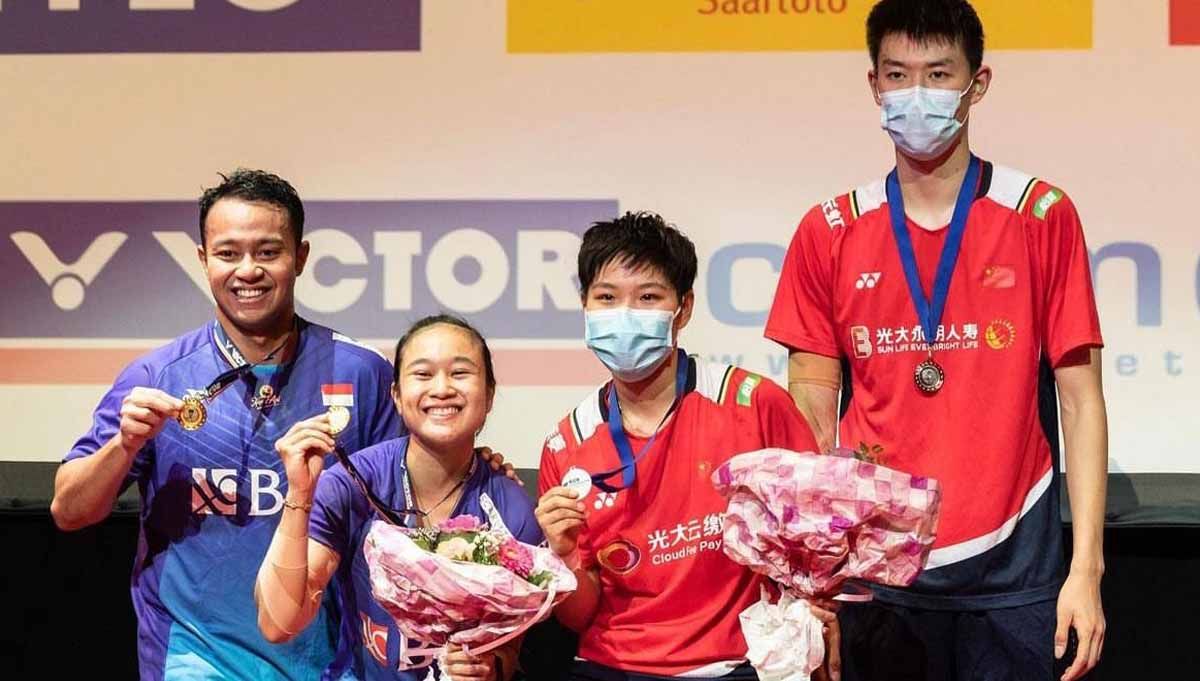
(194, 424)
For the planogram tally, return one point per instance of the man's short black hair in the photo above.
(638, 240)
(924, 21)
(259, 186)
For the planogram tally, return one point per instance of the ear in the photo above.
(301, 257)
(202, 256)
(685, 312)
(873, 83)
(981, 83)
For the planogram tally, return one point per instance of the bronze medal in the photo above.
(929, 376)
(193, 414)
(339, 418)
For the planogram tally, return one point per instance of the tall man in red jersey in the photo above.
(625, 478)
(945, 288)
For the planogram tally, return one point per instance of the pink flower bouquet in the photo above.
(810, 522)
(462, 582)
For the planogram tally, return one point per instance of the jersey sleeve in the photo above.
(550, 474)
(1070, 319)
(549, 469)
(781, 423)
(329, 521)
(517, 513)
(106, 421)
(801, 316)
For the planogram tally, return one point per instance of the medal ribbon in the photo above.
(929, 310)
(228, 378)
(628, 467)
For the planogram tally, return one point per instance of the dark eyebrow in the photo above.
(945, 61)
(425, 361)
(269, 241)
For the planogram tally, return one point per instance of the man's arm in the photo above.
(1085, 432)
(813, 382)
(85, 489)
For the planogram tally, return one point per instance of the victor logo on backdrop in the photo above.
(130, 269)
(98, 26)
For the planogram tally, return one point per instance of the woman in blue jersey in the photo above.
(444, 386)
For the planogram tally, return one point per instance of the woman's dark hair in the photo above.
(420, 325)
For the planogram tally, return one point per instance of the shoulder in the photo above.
(579, 425)
(354, 360)
(148, 368)
(837, 214)
(373, 463)
(728, 385)
(511, 499)
(350, 348)
(1023, 193)
(713, 379)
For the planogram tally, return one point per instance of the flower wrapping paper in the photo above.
(809, 522)
(435, 599)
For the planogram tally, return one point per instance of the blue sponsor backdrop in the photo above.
(129, 269)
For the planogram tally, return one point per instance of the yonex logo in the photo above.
(605, 500)
(867, 280)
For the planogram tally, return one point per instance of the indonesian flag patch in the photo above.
(337, 394)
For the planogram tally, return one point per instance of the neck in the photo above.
(435, 470)
(644, 402)
(256, 345)
(930, 188)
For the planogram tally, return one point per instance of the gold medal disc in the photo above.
(193, 414)
(339, 418)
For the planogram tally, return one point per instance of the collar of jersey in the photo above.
(690, 387)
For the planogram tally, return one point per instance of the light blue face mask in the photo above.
(631, 343)
(921, 121)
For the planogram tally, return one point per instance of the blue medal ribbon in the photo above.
(929, 310)
(628, 467)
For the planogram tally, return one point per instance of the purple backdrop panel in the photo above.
(129, 269)
(96, 26)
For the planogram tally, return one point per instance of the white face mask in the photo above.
(921, 121)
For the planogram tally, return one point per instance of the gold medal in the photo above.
(929, 376)
(339, 418)
(193, 414)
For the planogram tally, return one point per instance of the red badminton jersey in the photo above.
(1021, 291)
(670, 598)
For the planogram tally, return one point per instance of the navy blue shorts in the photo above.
(884, 642)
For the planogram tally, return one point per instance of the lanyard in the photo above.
(241, 366)
(628, 467)
(929, 310)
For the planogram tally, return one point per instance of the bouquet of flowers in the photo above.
(462, 582)
(810, 522)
